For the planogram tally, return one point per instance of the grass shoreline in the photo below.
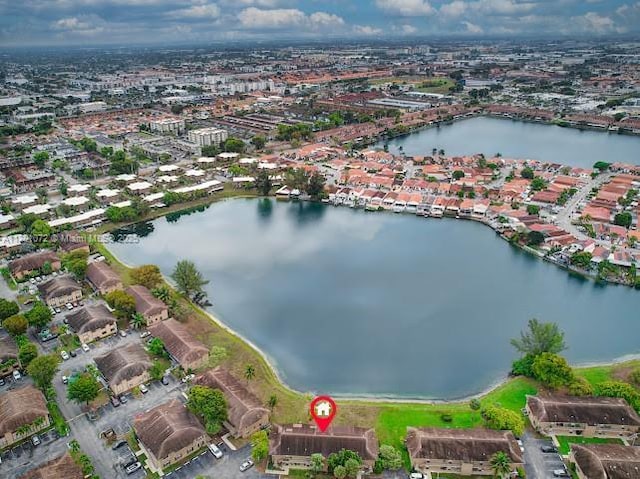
(389, 416)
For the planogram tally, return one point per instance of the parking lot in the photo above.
(227, 467)
(19, 459)
(538, 464)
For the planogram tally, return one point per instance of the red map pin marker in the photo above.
(323, 410)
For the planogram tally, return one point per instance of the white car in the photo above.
(144, 334)
(188, 378)
(85, 347)
(246, 465)
(217, 453)
(65, 355)
(17, 375)
(416, 475)
(144, 389)
(69, 306)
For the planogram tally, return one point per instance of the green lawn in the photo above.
(566, 441)
(598, 374)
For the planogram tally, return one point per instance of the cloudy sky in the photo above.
(85, 22)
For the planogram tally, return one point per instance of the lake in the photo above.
(519, 139)
(348, 302)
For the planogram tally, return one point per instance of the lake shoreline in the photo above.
(359, 398)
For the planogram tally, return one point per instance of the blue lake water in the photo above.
(350, 302)
(518, 139)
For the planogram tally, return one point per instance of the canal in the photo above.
(349, 302)
(518, 139)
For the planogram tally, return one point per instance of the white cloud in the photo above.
(406, 8)
(502, 7)
(408, 29)
(319, 19)
(366, 30)
(598, 23)
(209, 10)
(256, 18)
(473, 28)
(453, 9)
(71, 23)
(257, 3)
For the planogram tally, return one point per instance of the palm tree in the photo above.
(273, 400)
(249, 372)
(500, 464)
(138, 320)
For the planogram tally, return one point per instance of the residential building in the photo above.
(208, 136)
(169, 433)
(8, 354)
(91, 323)
(33, 263)
(153, 309)
(125, 367)
(605, 461)
(59, 467)
(188, 351)
(582, 416)
(246, 414)
(23, 412)
(460, 451)
(174, 126)
(59, 291)
(291, 446)
(103, 278)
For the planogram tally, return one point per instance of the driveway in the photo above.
(538, 464)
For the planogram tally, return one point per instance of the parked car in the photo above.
(188, 378)
(72, 353)
(65, 379)
(549, 449)
(123, 399)
(123, 333)
(144, 389)
(560, 473)
(165, 380)
(69, 306)
(35, 440)
(114, 401)
(118, 444)
(85, 347)
(246, 465)
(32, 281)
(520, 445)
(217, 453)
(131, 468)
(17, 375)
(144, 334)
(1, 382)
(58, 311)
(64, 355)
(416, 475)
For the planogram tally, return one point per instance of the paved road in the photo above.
(227, 467)
(539, 465)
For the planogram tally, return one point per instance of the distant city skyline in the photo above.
(100, 22)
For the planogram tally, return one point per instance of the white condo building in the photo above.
(208, 136)
(168, 125)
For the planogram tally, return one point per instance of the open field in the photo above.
(422, 84)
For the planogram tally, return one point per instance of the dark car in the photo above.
(73, 353)
(549, 449)
(165, 380)
(123, 399)
(119, 444)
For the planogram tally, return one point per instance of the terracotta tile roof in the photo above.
(60, 467)
(19, 407)
(589, 410)
(244, 407)
(178, 341)
(607, 461)
(167, 428)
(466, 445)
(304, 440)
(123, 363)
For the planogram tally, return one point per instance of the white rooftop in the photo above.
(244, 179)
(76, 201)
(79, 188)
(206, 159)
(125, 177)
(37, 209)
(194, 173)
(198, 187)
(107, 193)
(168, 168)
(167, 178)
(153, 197)
(25, 199)
(139, 185)
(228, 155)
(122, 204)
(247, 161)
(86, 216)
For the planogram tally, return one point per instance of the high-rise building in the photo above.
(208, 136)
